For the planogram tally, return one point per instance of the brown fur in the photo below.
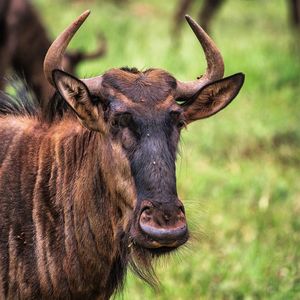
(153, 85)
(53, 178)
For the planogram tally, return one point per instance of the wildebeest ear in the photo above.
(77, 95)
(213, 97)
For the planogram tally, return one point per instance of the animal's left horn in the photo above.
(56, 51)
(215, 64)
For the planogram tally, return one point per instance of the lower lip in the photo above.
(156, 245)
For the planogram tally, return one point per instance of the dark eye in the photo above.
(181, 124)
(95, 99)
(177, 118)
(122, 120)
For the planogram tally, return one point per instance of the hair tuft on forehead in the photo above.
(152, 85)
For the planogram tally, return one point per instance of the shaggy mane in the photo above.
(21, 102)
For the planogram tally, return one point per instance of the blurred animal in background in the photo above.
(211, 7)
(295, 13)
(24, 43)
(89, 185)
(205, 15)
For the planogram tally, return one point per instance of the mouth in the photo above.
(156, 249)
(159, 229)
(156, 246)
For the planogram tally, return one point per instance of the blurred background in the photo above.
(239, 171)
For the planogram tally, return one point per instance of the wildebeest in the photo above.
(211, 7)
(89, 186)
(24, 43)
(294, 9)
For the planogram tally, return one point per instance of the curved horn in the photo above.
(56, 51)
(215, 64)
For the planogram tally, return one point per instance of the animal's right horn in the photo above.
(56, 51)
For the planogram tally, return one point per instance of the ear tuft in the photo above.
(77, 95)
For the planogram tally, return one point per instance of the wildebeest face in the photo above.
(141, 112)
(145, 118)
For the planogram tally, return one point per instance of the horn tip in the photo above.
(85, 14)
(191, 22)
(189, 19)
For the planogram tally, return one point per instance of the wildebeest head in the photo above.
(145, 112)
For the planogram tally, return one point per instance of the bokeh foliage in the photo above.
(238, 172)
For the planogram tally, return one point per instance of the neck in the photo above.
(91, 199)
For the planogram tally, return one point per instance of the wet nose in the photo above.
(166, 224)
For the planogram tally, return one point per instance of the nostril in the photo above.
(146, 206)
(181, 209)
(181, 215)
(146, 215)
(145, 219)
(147, 211)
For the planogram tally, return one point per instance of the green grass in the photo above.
(238, 172)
